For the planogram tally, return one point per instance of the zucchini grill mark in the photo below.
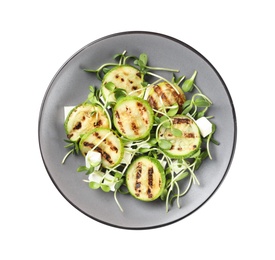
(150, 178)
(138, 176)
(145, 178)
(104, 141)
(179, 120)
(150, 182)
(104, 154)
(164, 93)
(132, 120)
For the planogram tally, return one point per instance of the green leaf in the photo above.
(177, 80)
(187, 109)
(182, 175)
(92, 89)
(144, 84)
(90, 170)
(187, 106)
(94, 185)
(73, 144)
(152, 141)
(173, 111)
(165, 122)
(143, 58)
(82, 169)
(204, 155)
(92, 98)
(69, 145)
(163, 194)
(118, 184)
(164, 144)
(139, 63)
(176, 132)
(200, 114)
(118, 174)
(69, 141)
(105, 70)
(156, 119)
(119, 93)
(105, 188)
(144, 150)
(187, 85)
(201, 102)
(110, 103)
(186, 103)
(76, 147)
(110, 86)
(214, 141)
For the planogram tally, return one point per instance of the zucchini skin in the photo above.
(83, 118)
(145, 178)
(133, 117)
(124, 77)
(106, 142)
(187, 144)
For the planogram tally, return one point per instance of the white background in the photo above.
(37, 37)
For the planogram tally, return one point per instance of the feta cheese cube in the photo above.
(93, 158)
(96, 176)
(205, 126)
(67, 110)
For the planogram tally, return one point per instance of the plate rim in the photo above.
(234, 144)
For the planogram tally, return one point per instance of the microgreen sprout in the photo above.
(75, 148)
(94, 97)
(101, 69)
(144, 68)
(118, 92)
(188, 84)
(180, 172)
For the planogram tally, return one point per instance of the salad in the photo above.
(140, 133)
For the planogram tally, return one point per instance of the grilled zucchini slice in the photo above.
(185, 145)
(145, 178)
(83, 118)
(133, 117)
(106, 142)
(124, 77)
(164, 95)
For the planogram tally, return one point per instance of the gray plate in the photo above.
(70, 86)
